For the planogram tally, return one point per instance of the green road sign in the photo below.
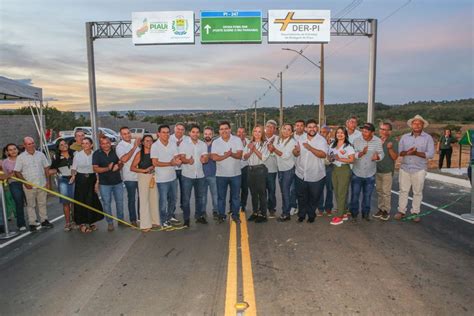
(231, 27)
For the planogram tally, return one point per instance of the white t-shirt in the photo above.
(175, 140)
(32, 167)
(271, 162)
(82, 162)
(122, 149)
(309, 167)
(287, 160)
(164, 154)
(354, 136)
(229, 167)
(298, 137)
(189, 149)
(343, 152)
(244, 163)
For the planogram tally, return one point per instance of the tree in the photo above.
(131, 115)
(114, 114)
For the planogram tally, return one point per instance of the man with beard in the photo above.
(209, 169)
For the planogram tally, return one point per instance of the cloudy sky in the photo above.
(425, 51)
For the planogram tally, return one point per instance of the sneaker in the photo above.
(271, 214)
(186, 223)
(173, 220)
(110, 227)
(311, 220)
(300, 219)
(337, 221)
(261, 218)
(252, 217)
(366, 217)
(385, 216)
(236, 219)
(201, 220)
(399, 216)
(134, 223)
(22, 229)
(221, 219)
(166, 225)
(378, 214)
(293, 211)
(345, 217)
(328, 212)
(319, 213)
(284, 218)
(46, 224)
(215, 215)
(33, 228)
(416, 219)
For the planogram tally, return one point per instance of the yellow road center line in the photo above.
(231, 288)
(247, 274)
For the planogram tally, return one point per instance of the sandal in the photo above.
(146, 230)
(93, 227)
(67, 228)
(85, 229)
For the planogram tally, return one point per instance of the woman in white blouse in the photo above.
(86, 188)
(256, 152)
(283, 149)
(341, 154)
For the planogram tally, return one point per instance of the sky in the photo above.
(425, 52)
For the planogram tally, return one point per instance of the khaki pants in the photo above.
(416, 181)
(383, 182)
(36, 197)
(341, 178)
(148, 201)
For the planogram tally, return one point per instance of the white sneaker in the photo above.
(22, 229)
(293, 211)
(173, 220)
(166, 225)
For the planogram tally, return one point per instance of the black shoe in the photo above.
(366, 217)
(236, 219)
(46, 224)
(201, 220)
(215, 215)
(311, 220)
(284, 218)
(385, 216)
(378, 214)
(300, 219)
(261, 218)
(252, 217)
(33, 228)
(186, 223)
(221, 219)
(271, 214)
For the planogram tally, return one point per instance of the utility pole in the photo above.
(321, 90)
(255, 114)
(246, 120)
(281, 99)
(264, 118)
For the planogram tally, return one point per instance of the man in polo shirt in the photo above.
(193, 155)
(32, 166)
(310, 171)
(385, 169)
(244, 167)
(107, 165)
(272, 166)
(165, 156)
(369, 151)
(178, 138)
(210, 172)
(227, 152)
(415, 148)
(126, 150)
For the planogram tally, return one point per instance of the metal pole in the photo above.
(372, 71)
(321, 89)
(246, 121)
(255, 114)
(264, 118)
(470, 216)
(8, 234)
(281, 99)
(92, 87)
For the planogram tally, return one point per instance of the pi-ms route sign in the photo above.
(231, 27)
(299, 26)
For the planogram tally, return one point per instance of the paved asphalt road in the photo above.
(368, 268)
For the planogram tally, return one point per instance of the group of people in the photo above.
(313, 167)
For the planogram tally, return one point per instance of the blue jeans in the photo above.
(106, 192)
(16, 189)
(65, 189)
(326, 201)
(199, 186)
(244, 187)
(234, 184)
(132, 189)
(167, 199)
(212, 185)
(179, 182)
(293, 195)
(308, 196)
(271, 190)
(366, 185)
(286, 178)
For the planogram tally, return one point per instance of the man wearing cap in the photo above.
(415, 148)
(272, 166)
(368, 150)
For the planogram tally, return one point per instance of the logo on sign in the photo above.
(180, 25)
(298, 24)
(143, 29)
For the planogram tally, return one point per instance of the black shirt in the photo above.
(145, 161)
(101, 159)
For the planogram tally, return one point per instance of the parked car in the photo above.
(140, 132)
(111, 134)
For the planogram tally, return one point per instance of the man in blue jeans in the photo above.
(272, 167)
(227, 152)
(107, 165)
(193, 154)
(126, 150)
(165, 156)
(368, 150)
(209, 169)
(326, 201)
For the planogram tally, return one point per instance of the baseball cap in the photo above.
(369, 127)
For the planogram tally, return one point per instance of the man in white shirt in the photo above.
(300, 126)
(126, 150)
(178, 138)
(32, 166)
(193, 154)
(299, 133)
(227, 152)
(310, 171)
(352, 131)
(244, 167)
(165, 157)
(272, 166)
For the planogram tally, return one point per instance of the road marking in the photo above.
(231, 288)
(439, 209)
(25, 234)
(247, 275)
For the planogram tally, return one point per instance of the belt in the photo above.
(87, 175)
(257, 167)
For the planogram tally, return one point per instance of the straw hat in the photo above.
(420, 118)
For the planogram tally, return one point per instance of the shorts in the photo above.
(65, 189)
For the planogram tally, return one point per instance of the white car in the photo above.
(111, 134)
(140, 132)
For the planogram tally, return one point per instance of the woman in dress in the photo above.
(147, 191)
(61, 166)
(256, 152)
(11, 152)
(86, 188)
(283, 149)
(341, 154)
